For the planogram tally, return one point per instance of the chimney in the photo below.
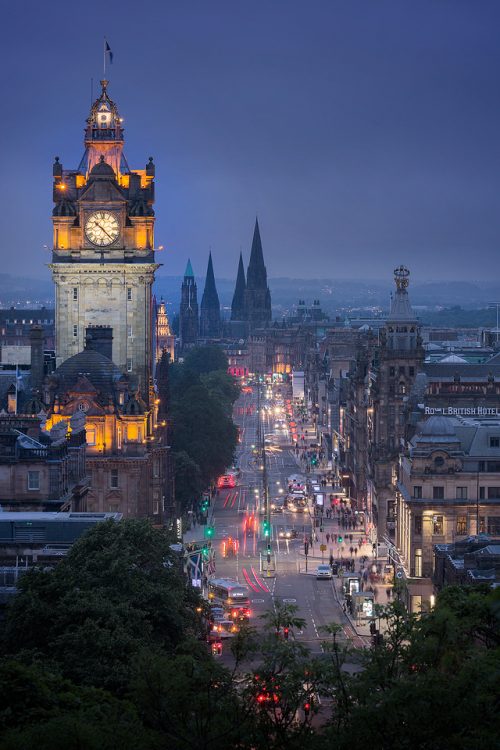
(37, 364)
(100, 339)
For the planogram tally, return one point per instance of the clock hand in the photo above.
(101, 227)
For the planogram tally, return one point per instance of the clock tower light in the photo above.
(103, 262)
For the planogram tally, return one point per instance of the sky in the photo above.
(363, 133)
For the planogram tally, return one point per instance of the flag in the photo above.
(107, 51)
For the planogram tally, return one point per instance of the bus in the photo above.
(232, 595)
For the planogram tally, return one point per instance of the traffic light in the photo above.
(340, 539)
(286, 632)
(205, 552)
(314, 460)
(209, 532)
(307, 709)
(204, 504)
(266, 527)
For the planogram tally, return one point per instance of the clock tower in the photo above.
(103, 260)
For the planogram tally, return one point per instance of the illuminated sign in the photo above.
(463, 411)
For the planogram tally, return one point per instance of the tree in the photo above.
(118, 592)
(204, 359)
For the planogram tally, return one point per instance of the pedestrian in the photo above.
(388, 592)
(375, 591)
(327, 537)
(355, 551)
(331, 559)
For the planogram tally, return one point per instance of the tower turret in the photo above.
(188, 312)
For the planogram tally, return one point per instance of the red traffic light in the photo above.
(307, 708)
(286, 631)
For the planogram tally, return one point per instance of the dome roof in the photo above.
(438, 427)
(102, 171)
(97, 368)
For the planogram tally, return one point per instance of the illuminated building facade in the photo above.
(103, 260)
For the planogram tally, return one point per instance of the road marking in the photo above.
(290, 601)
(257, 601)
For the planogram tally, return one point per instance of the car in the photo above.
(323, 571)
(286, 533)
(277, 506)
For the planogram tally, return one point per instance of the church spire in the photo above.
(188, 273)
(238, 303)
(257, 274)
(257, 294)
(210, 305)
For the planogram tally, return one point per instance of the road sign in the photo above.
(399, 574)
(322, 547)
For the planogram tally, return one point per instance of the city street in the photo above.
(319, 601)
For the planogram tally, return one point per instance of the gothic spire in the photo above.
(210, 305)
(238, 303)
(256, 274)
(189, 270)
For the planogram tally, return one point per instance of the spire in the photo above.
(189, 270)
(402, 331)
(257, 295)
(238, 303)
(257, 274)
(210, 305)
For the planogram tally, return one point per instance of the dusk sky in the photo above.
(364, 134)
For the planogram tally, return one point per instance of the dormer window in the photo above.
(438, 462)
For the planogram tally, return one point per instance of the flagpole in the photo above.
(104, 58)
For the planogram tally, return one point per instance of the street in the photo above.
(319, 601)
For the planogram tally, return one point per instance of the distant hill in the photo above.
(335, 296)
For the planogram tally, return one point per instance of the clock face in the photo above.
(102, 228)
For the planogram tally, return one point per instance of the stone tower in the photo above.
(210, 323)
(238, 303)
(401, 356)
(164, 336)
(103, 260)
(257, 294)
(188, 312)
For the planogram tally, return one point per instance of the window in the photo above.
(132, 432)
(119, 438)
(75, 331)
(411, 371)
(495, 442)
(33, 480)
(113, 479)
(438, 493)
(129, 331)
(90, 433)
(438, 461)
(493, 467)
(401, 370)
(75, 293)
(392, 371)
(461, 493)
(418, 524)
(129, 364)
(437, 525)
(417, 492)
(493, 493)
(462, 525)
(418, 563)
(156, 507)
(129, 293)
(482, 493)
(482, 526)
(494, 526)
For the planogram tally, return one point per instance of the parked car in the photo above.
(323, 571)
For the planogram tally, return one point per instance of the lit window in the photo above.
(418, 563)
(132, 432)
(129, 364)
(462, 525)
(33, 480)
(90, 436)
(437, 525)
